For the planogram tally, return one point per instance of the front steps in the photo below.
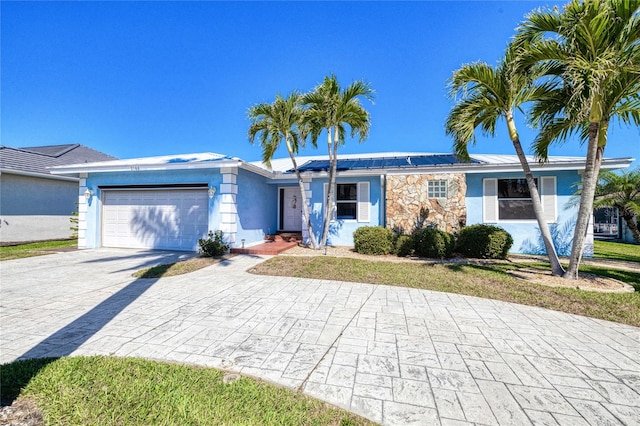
(273, 244)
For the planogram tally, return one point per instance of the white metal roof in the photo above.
(280, 166)
(179, 161)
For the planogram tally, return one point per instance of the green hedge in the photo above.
(433, 243)
(373, 240)
(484, 241)
(403, 245)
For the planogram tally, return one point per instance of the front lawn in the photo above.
(179, 268)
(617, 251)
(35, 249)
(102, 390)
(490, 281)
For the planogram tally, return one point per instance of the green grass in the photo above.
(35, 249)
(617, 251)
(101, 390)
(490, 281)
(179, 268)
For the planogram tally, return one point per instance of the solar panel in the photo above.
(383, 162)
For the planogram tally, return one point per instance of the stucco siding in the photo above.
(525, 233)
(33, 208)
(341, 231)
(28, 195)
(257, 203)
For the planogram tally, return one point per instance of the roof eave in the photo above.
(37, 175)
(614, 163)
(136, 167)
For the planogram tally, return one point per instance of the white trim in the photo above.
(228, 188)
(363, 206)
(548, 198)
(490, 209)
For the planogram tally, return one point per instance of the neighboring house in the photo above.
(34, 204)
(607, 224)
(169, 202)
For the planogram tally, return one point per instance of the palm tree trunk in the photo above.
(328, 212)
(629, 219)
(556, 267)
(306, 217)
(589, 182)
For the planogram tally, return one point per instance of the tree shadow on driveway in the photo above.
(70, 337)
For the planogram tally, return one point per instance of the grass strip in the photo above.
(490, 281)
(102, 390)
(616, 251)
(179, 268)
(35, 249)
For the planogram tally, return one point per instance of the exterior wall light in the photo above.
(211, 191)
(88, 194)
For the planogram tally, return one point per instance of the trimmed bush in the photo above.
(214, 245)
(484, 241)
(433, 243)
(403, 245)
(372, 240)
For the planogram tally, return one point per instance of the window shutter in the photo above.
(548, 198)
(489, 200)
(364, 203)
(324, 201)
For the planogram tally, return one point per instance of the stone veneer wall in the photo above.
(409, 208)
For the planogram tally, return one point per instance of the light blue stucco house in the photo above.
(170, 202)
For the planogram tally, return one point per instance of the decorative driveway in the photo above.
(392, 354)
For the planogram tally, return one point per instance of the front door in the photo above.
(290, 209)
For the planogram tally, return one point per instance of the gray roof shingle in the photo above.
(36, 159)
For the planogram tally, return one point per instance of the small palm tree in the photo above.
(277, 122)
(331, 108)
(593, 48)
(487, 95)
(620, 191)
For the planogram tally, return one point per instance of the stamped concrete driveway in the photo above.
(394, 355)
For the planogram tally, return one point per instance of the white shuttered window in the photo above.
(509, 199)
(352, 201)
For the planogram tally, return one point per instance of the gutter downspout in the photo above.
(383, 199)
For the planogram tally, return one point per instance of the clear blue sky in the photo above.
(137, 79)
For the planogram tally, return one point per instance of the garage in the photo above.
(154, 218)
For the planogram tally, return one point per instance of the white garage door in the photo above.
(159, 219)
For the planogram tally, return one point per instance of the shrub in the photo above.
(428, 242)
(372, 240)
(484, 241)
(214, 245)
(403, 245)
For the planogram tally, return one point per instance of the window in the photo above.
(346, 201)
(510, 200)
(514, 200)
(352, 201)
(437, 189)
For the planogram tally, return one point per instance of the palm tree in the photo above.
(620, 191)
(487, 95)
(594, 49)
(277, 122)
(331, 108)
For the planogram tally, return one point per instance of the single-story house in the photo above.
(608, 224)
(34, 204)
(170, 202)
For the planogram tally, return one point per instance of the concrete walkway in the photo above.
(394, 355)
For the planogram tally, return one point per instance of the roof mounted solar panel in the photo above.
(383, 163)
